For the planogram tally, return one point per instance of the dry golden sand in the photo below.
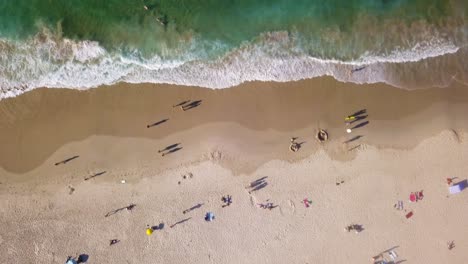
(414, 141)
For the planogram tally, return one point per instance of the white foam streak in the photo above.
(85, 64)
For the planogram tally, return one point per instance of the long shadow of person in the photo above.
(66, 160)
(95, 175)
(360, 112)
(181, 103)
(169, 147)
(180, 222)
(258, 181)
(259, 187)
(353, 139)
(191, 105)
(172, 151)
(129, 208)
(361, 124)
(192, 208)
(358, 118)
(355, 147)
(157, 123)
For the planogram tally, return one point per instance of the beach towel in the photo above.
(454, 189)
(410, 214)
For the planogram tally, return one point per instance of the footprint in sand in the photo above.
(289, 209)
(36, 249)
(253, 201)
(456, 136)
(216, 155)
(70, 189)
(50, 206)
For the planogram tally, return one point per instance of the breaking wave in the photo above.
(55, 62)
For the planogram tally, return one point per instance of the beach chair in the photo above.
(392, 255)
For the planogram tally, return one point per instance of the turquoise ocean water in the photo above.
(220, 43)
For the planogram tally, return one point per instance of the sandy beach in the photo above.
(406, 141)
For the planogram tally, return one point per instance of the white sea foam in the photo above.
(82, 65)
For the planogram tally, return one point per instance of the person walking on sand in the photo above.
(450, 245)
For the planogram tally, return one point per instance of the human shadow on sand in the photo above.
(358, 118)
(361, 124)
(360, 112)
(171, 151)
(355, 147)
(258, 184)
(180, 222)
(158, 227)
(192, 208)
(181, 103)
(66, 160)
(169, 147)
(191, 105)
(158, 123)
(95, 175)
(353, 139)
(129, 208)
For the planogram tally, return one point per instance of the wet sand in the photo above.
(413, 140)
(36, 124)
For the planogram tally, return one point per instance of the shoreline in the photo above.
(35, 125)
